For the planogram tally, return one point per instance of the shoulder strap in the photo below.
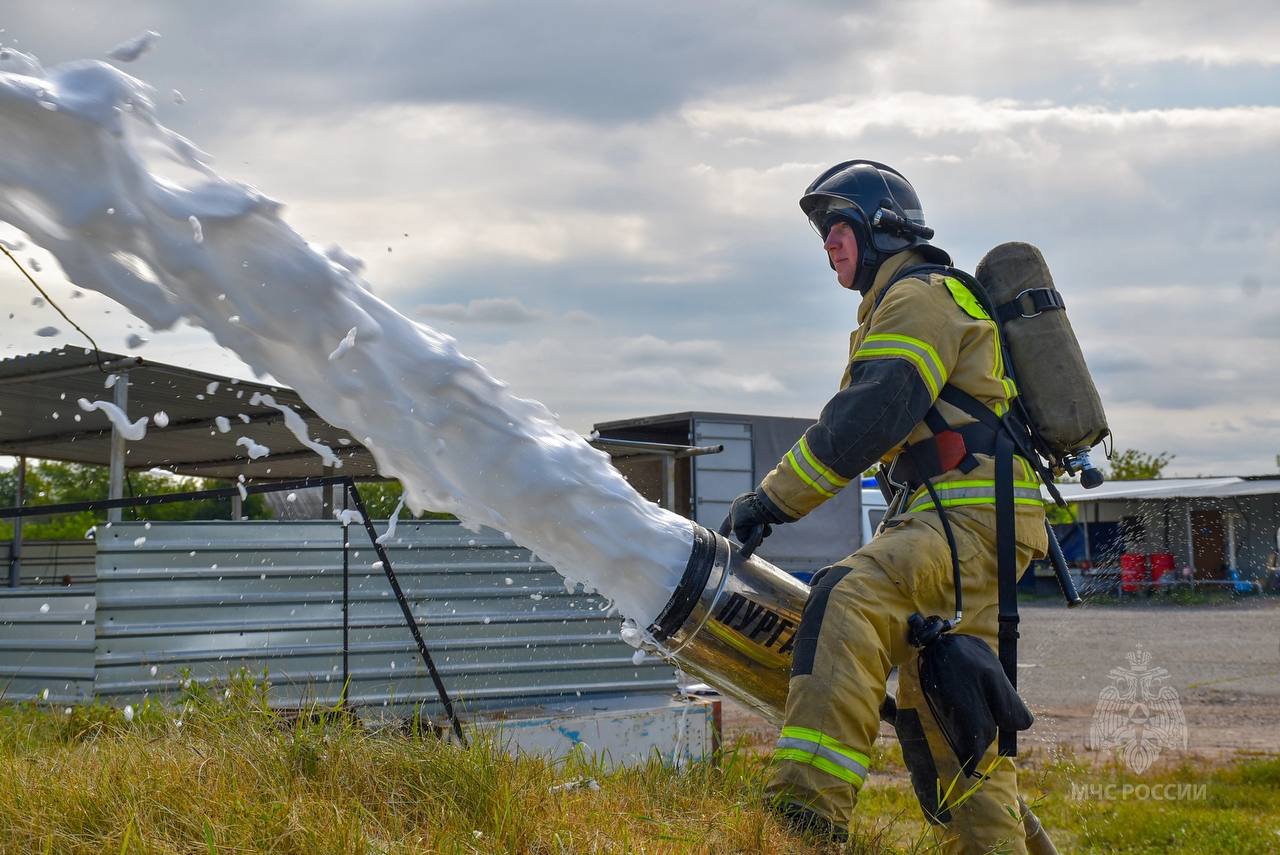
(913, 272)
(1006, 578)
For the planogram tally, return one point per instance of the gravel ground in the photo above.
(1223, 662)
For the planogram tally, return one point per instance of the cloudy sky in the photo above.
(598, 199)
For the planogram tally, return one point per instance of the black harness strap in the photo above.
(962, 400)
(951, 544)
(1007, 577)
(1006, 544)
(1030, 303)
(929, 457)
(1006, 433)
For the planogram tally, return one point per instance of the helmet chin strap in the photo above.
(868, 263)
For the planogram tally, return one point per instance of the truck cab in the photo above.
(874, 508)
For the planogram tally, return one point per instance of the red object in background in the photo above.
(1133, 571)
(1161, 563)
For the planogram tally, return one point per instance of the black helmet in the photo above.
(881, 206)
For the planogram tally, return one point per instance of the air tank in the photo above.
(1053, 380)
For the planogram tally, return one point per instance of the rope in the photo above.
(97, 355)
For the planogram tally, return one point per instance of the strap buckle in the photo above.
(1018, 301)
(1041, 299)
(891, 476)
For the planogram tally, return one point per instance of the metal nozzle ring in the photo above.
(692, 583)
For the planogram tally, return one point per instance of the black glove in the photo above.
(750, 520)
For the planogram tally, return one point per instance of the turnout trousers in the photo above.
(853, 632)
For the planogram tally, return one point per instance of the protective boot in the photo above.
(808, 823)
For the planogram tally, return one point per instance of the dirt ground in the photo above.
(1223, 662)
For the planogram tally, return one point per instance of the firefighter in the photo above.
(924, 357)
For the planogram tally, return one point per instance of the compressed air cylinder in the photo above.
(1053, 379)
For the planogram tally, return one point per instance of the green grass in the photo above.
(223, 775)
(1230, 806)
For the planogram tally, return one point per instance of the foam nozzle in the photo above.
(732, 621)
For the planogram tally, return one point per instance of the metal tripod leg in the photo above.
(409, 619)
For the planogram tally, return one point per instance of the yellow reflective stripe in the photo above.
(824, 471)
(915, 342)
(910, 355)
(1010, 390)
(964, 485)
(810, 735)
(977, 492)
(812, 472)
(976, 495)
(817, 749)
(798, 755)
(997, 370)
(957, 503)
(964, 299)
(918, 352)
(804, 476)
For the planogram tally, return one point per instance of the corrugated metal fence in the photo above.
(203, 599)
(55, 562)
(46, 643)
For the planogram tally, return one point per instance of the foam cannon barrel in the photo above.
(732, 622)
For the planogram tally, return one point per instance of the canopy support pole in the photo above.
(326, 496)
(1231, 544)
(668, 482)
(15, 545)
(115, 478)
(1191, 542)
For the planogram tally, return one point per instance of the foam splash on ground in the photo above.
(76, 176)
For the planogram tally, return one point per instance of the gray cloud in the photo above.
(648, 348)
(483, 310)
(632, 172)
(608, 61)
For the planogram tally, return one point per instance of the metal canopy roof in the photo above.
(40, 418)
(1173, 488)
(39, 410)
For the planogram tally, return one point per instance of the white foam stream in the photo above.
(80, 142)
(135, 47)
(392, 521)
(132, 431)
(252, 448)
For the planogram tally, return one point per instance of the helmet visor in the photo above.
(825, 210)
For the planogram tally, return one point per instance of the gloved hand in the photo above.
(750, 521)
